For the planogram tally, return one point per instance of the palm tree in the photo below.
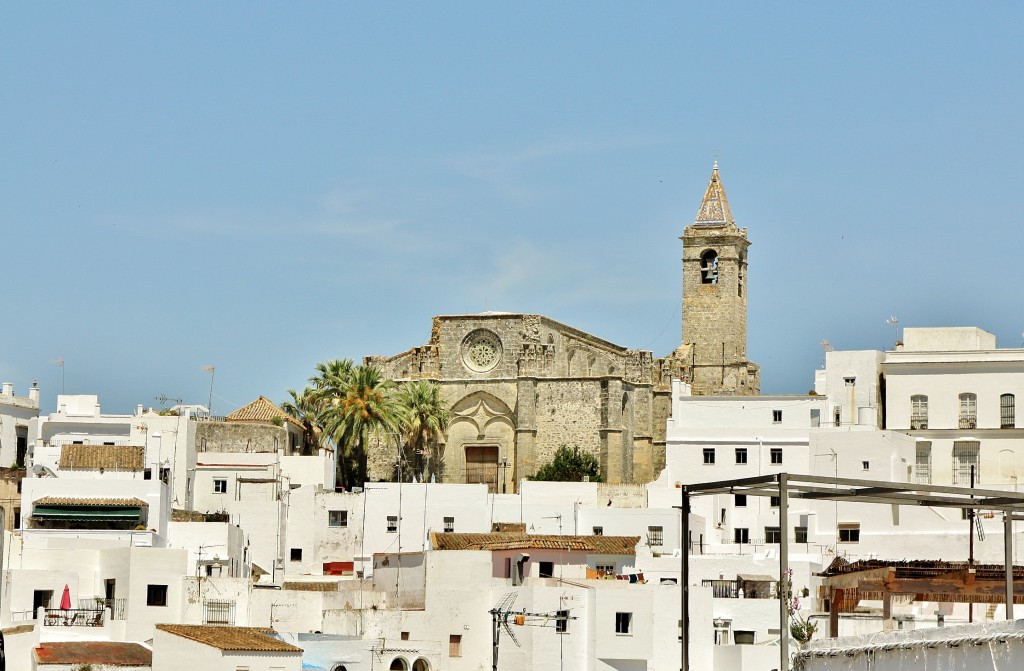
(424, 421)
(360, 407)
(306, 408)
(328, 388)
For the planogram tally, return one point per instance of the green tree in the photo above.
(357, 408)
(424, 418)
(570, 464)
(306, 408)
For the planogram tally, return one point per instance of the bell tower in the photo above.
(715, 299)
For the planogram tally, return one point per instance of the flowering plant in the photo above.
(800, 627)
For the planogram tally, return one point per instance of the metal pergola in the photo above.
(811, 487)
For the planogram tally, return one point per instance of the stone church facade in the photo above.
(521, 385)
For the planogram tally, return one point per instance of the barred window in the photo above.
(968, 411)
(392, 524)
(655, 536)
(923, 463)
(449, 524)
(1006, 418)
(965, 455)
(218, 612)
(918, 412)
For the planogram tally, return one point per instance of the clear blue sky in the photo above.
(261, 186)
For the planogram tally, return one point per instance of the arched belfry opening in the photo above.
(709, 267)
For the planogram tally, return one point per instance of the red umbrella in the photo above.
(65, 599)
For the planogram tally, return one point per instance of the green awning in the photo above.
(110, 513)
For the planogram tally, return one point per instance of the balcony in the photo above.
(918, 422)
(753, 586)
(968, 421)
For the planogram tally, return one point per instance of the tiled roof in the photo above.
(261, 410)
(714, 209)
(107, 653)
(612, 545)
(247, 639)
(82, 501)
(118, 457)
(311, 586)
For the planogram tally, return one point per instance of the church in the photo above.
(521, 385)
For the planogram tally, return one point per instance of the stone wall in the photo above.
(240, 437)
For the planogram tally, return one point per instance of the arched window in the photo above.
(1006, 414)
(399, 664)
(709, 267)
(918, 412)
(421, 665)
(968, 411)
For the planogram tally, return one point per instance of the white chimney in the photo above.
(8, 389)
(138, 410)
(33, 393)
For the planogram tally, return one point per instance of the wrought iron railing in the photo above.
(72, 617)
(117, 607)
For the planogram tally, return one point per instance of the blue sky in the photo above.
(261, 186)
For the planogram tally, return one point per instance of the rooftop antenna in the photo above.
(211, 369)
(895, 323)
(826, 346)
(502, 616)
(164, 399)
(60, 362)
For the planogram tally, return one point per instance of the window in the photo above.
(561, 621)
(218, 612)
(709, 455)
(607, 569)
(449, 525)
(837, 416)
(741, 535)
(623, 623)
(296, 554)
(774, 501)
(965, 458)
(923, 463)
(599, 531)
(1006, 418)
(772, 535)
(722, 628)
(968, 411)
(156, 595)
(776, 455)
(337, 518)
(404, 636)
(865, 465)
(740, 500)
(776, 417)
(392, 524)
(546, 569)
(455, 645)
(220, 486)
(918, 412)
(709, 267)
(743, 637)
(849, 533)
(655, 536)
(800, 534)
(741, 455)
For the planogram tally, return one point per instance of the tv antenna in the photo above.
(895, 323)
(164, 399)
(502, 616)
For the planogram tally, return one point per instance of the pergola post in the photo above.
(684, 614)
(784, 599)
(1008, 561)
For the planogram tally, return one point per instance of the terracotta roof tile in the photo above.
(118, 457)
(248, 639)
(614, 545)
(83, 501)
(107, 653)
(261, 410)
(311, 586)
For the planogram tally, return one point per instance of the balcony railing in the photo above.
(72, 617)
(918, 422)
(730, 589)
(117, 606)
(968, 421)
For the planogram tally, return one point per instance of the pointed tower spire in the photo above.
(714, 209)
